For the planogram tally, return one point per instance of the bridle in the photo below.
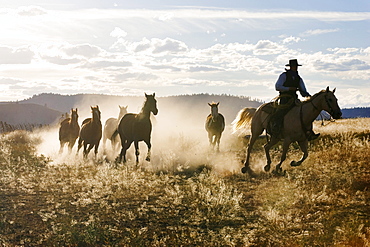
(331, 111)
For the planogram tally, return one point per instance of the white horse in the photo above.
(111, 126)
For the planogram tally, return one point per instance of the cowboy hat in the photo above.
(293, 63)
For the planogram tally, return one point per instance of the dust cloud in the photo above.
(179, 139)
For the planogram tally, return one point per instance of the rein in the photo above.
(322, 119)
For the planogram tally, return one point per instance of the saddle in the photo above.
(276, 112)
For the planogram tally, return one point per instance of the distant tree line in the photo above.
(5, 127)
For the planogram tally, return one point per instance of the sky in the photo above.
(183, 47)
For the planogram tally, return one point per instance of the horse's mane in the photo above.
(314, 96)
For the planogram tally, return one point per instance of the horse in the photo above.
(91, 132)
(137, 127)
(297, 123)
(111, 126)
(69, 131)
(215, 125)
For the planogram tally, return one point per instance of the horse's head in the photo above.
(95, 112)
(331, 104)
(122, 111)
(151, 103)
(74, 115)
(214, 109)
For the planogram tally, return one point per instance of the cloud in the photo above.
(31, 11)
(123, 77)
(118, 33)
(157, 46)
(291, 39)
(6, 81)
(85, 50)
(161, 66)
(343, 50)
(267, 47)
(168, 46)
(61, 60)
(353, 97)
(18, 55)
(166, 16)
(319, 31)
(342, 64)
(103, 64)
(65, 53)
(203, 69)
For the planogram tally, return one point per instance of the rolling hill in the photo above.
(15, 113)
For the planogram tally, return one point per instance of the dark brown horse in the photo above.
(111, 126)
(91, 132)
(137, 127)
(69, 131)
(215, 125)
(297, 123)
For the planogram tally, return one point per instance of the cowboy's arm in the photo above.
(302, 89)
(279, 84)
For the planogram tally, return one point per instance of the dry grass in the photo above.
(188, 198)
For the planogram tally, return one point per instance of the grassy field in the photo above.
(188, 197)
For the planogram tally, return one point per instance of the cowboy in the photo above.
(288, 84)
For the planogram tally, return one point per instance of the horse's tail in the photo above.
(114, 135)
(243, 118)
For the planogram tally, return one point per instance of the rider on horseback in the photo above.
(288, 84)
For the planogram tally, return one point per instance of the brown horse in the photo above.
(297, 123)
(111, 126)
(68, 131)
(215, 125)
(137, 127)
(91, 132)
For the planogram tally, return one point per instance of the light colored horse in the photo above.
(215, 125)
(111, 126)
(136, 128)
(69, 131)
(91, 132)
(297, 123)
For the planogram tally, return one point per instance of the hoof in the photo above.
(118, 160)
(147, 159)
(267, 168)
(248, 170)
(279, 172)
(244, 169)
(294, 163)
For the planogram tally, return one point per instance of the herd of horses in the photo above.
(131, 128)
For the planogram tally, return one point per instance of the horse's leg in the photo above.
(79, 144)
(70, 146)
(286, 144)
(137, 152)
(123, 152)
(113, 144)
(210, 138)
(149, 145)
(125, 145)
(267, 147)
(62, 143)
(246, 167)
(218, 139)
(104, 141)
(304, 147)
(87, 149)
(96, 149)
